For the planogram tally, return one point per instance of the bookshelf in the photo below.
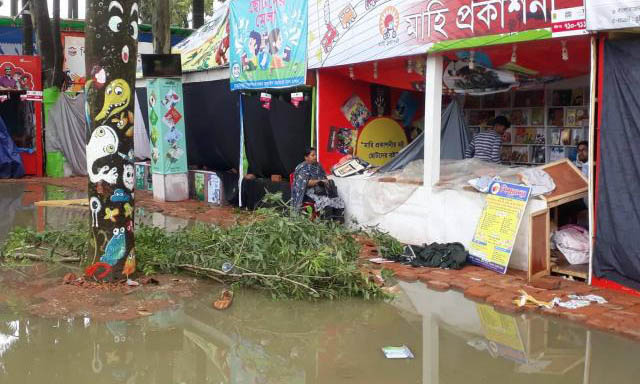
(546, 123)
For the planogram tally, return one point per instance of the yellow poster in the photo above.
(497, 228)
(380, 141)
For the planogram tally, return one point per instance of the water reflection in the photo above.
(261, 341)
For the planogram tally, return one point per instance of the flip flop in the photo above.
(224, 302)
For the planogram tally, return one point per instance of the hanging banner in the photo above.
(612, 14)
(268, 43)
(207, 47)
(73, 65)
(344, 32)
(497, 228)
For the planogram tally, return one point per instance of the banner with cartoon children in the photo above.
(268, 43)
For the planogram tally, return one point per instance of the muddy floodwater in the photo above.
(258, 340)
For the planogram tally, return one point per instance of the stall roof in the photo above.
(542, 57)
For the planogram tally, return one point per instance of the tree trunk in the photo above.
(14, 7)
(198, 13)
(72, 9)
(111, 43)
(58, 57)
(44, 39)
(161, 28)
(27, 30)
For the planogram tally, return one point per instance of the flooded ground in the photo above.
(259, 340)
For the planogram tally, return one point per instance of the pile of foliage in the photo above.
(290, 256)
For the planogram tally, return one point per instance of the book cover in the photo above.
(537, 116)
(556, 117)
(505, 153)
(556, 153)
(555, 137)
(582, 117)
(520, 154)
(540, 137)
(561, 97)
(572, 153)
(532, 98)
(577, 136)
(519, 117)
(521, 136)
(577, 96)
(571, 117)
(565, 137)
(538, 154)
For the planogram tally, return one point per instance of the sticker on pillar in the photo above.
(265, 99)
(111, 214)
(297, 98)
(213, 189)
(120, 196)
(380, 141)
(95, 206)
(355, 111)
(199, 185)
(128, 176)
(172, 117)
(171, 99)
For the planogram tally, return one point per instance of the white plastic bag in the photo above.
(573, 242)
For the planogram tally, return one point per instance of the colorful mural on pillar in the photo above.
(268, 43)
(111, 45)
(166, 118)
(346, 31)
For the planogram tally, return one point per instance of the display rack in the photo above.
(546, 123)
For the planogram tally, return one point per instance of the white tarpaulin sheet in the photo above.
(612, 14)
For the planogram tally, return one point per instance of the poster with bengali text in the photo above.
(497, 228)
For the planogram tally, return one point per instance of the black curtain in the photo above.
(617, 251)
(212, 119)
(275, 139)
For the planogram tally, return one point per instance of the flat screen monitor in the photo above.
(161, 66)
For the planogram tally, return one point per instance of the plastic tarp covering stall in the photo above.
(10, 161)
(66, 132)
(454, 139)
(617, 250)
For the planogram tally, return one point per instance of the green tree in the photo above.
(179, 11)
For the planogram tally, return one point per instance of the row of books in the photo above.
(558, 117)
(536, 136)
(536, 154)
(530, 98)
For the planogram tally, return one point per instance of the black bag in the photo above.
(327, 188)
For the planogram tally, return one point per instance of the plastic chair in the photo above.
(305, 204)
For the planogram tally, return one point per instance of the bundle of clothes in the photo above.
(434, 255)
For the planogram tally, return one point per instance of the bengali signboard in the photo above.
(268, 43)
(612, 14)
(497, 228)
(344, 32)
(207, 48)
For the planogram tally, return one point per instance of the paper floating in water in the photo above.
(402, 352)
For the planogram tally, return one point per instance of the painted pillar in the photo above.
(432, 119)
(110, 57)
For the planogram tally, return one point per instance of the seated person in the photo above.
(306, 177)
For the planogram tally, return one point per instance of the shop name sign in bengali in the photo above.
(343, 33)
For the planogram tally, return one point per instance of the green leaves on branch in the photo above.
(289, 256)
